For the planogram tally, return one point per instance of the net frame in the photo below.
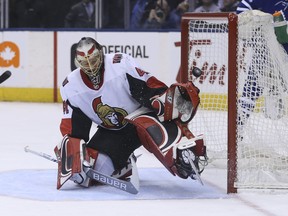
(232, 76)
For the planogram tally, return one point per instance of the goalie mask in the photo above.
(89, 57)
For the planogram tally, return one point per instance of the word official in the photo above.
(134, 51)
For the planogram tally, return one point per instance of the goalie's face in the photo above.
(89, 56)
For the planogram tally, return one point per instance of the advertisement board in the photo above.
(40, 61)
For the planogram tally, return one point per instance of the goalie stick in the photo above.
(41, 154)
(195, 176)
(130, 186)
(5, 76)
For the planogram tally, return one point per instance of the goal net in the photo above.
(244, 99)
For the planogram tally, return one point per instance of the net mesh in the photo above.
(262, 103)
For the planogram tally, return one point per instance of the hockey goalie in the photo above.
(131, 108)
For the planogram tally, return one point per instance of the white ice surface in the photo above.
(28, 182)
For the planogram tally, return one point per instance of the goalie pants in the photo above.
(117, 144)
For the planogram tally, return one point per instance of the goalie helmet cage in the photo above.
(245, 127)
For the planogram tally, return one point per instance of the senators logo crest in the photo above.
(112, 117)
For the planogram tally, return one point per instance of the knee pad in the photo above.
(104, 164)
(158, 137)
(99, 162)
(163, 139)
(71, 153)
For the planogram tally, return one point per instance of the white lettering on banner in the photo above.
(211, 72)
(214, 67)
(134, 51)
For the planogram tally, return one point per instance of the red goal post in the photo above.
(238, 54)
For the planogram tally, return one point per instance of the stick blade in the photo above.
(26, 148)
(5, 76)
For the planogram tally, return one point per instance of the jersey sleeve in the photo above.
(143, 86)
(74, 122)
(245, 5)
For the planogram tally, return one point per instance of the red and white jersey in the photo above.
(124, 87)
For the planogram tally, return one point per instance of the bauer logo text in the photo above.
(109, 181)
